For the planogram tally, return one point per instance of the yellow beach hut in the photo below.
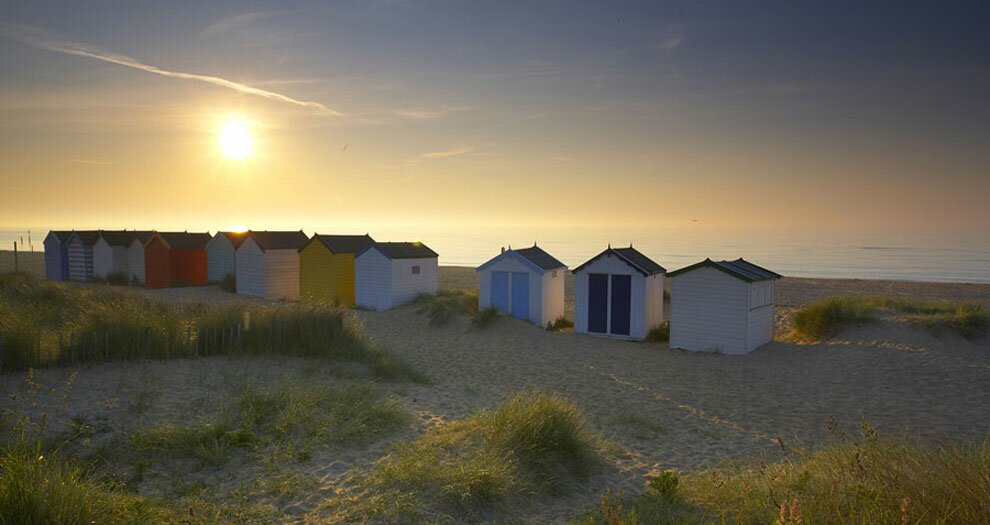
(326, 267)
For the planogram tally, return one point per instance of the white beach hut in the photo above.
(135, 256)
(390, 274)
(526, 283)
(618, 293)
(267, 264)
(220, 254)
(721, 306)
(110, 253)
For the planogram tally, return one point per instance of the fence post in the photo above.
(38, 358)
(1, 352)
(15, 257)
(72, 348)
(106, 345)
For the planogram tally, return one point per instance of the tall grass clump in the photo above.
(560, 324)
(659, 334)
(485, 318)
(533, 443)
(826, 316)
(229, 283)
(443, 306)
(40, 486)
(872, 480)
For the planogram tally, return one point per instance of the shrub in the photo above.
(485, 318)
(229, 283)
(533, 442)
(445, 304)
(659, 334)
(118, 279)
(824, 317)
(560, 324)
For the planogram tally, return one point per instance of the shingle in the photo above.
(541, 258)
(279, 240)
(346, 243)
(406, 250)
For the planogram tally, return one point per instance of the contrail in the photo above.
(43, 39)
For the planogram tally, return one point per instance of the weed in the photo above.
(485, 318)
(560, 324)
(659, 334)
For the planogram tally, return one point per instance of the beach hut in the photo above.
(721, 306)
(390, 274)
(110, 253)
(135, 256)
(80, 255)
(527, 284)
(618, 293)
(175, 259)
(57, 255)
(268, 264)
(326, 267)
(220, 254)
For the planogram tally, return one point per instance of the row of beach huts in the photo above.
(725, 306)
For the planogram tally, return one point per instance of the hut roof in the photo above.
(541, 258)
(403, 250)
(632, 257)
(267, 240)
(235, 238)
(184, 240)
(739, 268)
(345, 243)
(118, 237)
(88, 237)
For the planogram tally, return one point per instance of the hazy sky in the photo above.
(755, 115)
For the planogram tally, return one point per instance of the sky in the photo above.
(791, 115)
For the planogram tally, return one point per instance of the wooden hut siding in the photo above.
(645, 297)
(80, 260)
(529, 272)
(188, 267)
(373, 280)
(157, 264)
(708, 312)
(250, 269)
(108, 259)
(56, 257)
(406, 285)
(220, 258)
(135, 261)
(326, 276)
(759, 325)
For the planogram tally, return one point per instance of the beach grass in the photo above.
(532, 444)
(49, 324)
(871, 480)
(560, 324)
(658, 334)
(485, 318)
(442, 307)
(825, 317)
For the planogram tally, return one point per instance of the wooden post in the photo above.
(1, 352)
(61, 354)
(72, 348)
(38, 355)
(106, 345)
(15, 257)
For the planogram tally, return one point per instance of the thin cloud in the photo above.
(44, 40)
(445, 154)
(90, 162)
(428, 113)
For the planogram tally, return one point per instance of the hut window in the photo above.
(415, 270)
(554, 274)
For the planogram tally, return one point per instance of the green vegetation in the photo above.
(560, 324)
(445, 304)
(872, 480)
(532, 444)
(659, 334)
(118, 279)
(826, 316)
(289, 421)
(485, 318)
(44, 324)
(631, 422)
(229, 283)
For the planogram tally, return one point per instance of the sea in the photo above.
(907, 256)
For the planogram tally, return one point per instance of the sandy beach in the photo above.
(665, 409)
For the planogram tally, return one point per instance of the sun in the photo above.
(236, 141)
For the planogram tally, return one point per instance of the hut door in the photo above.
(621, 295)
(520, 295)
(598, 302)
(500, 291)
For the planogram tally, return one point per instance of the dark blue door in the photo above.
(520, 295)
(598, 302)
(621, 295)
(500, 291)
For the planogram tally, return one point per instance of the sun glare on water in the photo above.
(236, 141)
